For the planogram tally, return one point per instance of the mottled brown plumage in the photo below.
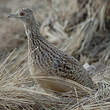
(47, 60)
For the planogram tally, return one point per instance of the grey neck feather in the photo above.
(35, 38)
(32, 29)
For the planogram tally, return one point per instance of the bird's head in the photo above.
(24, 14)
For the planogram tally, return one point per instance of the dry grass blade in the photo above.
(104, 105)
(11, 54)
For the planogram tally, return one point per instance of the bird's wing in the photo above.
(68, 67)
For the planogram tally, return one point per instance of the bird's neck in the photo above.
(32, 30)
(35, 38)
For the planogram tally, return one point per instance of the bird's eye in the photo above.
(21, 14)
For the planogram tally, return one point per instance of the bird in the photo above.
(47, 59)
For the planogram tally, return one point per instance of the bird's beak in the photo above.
(13, 16)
